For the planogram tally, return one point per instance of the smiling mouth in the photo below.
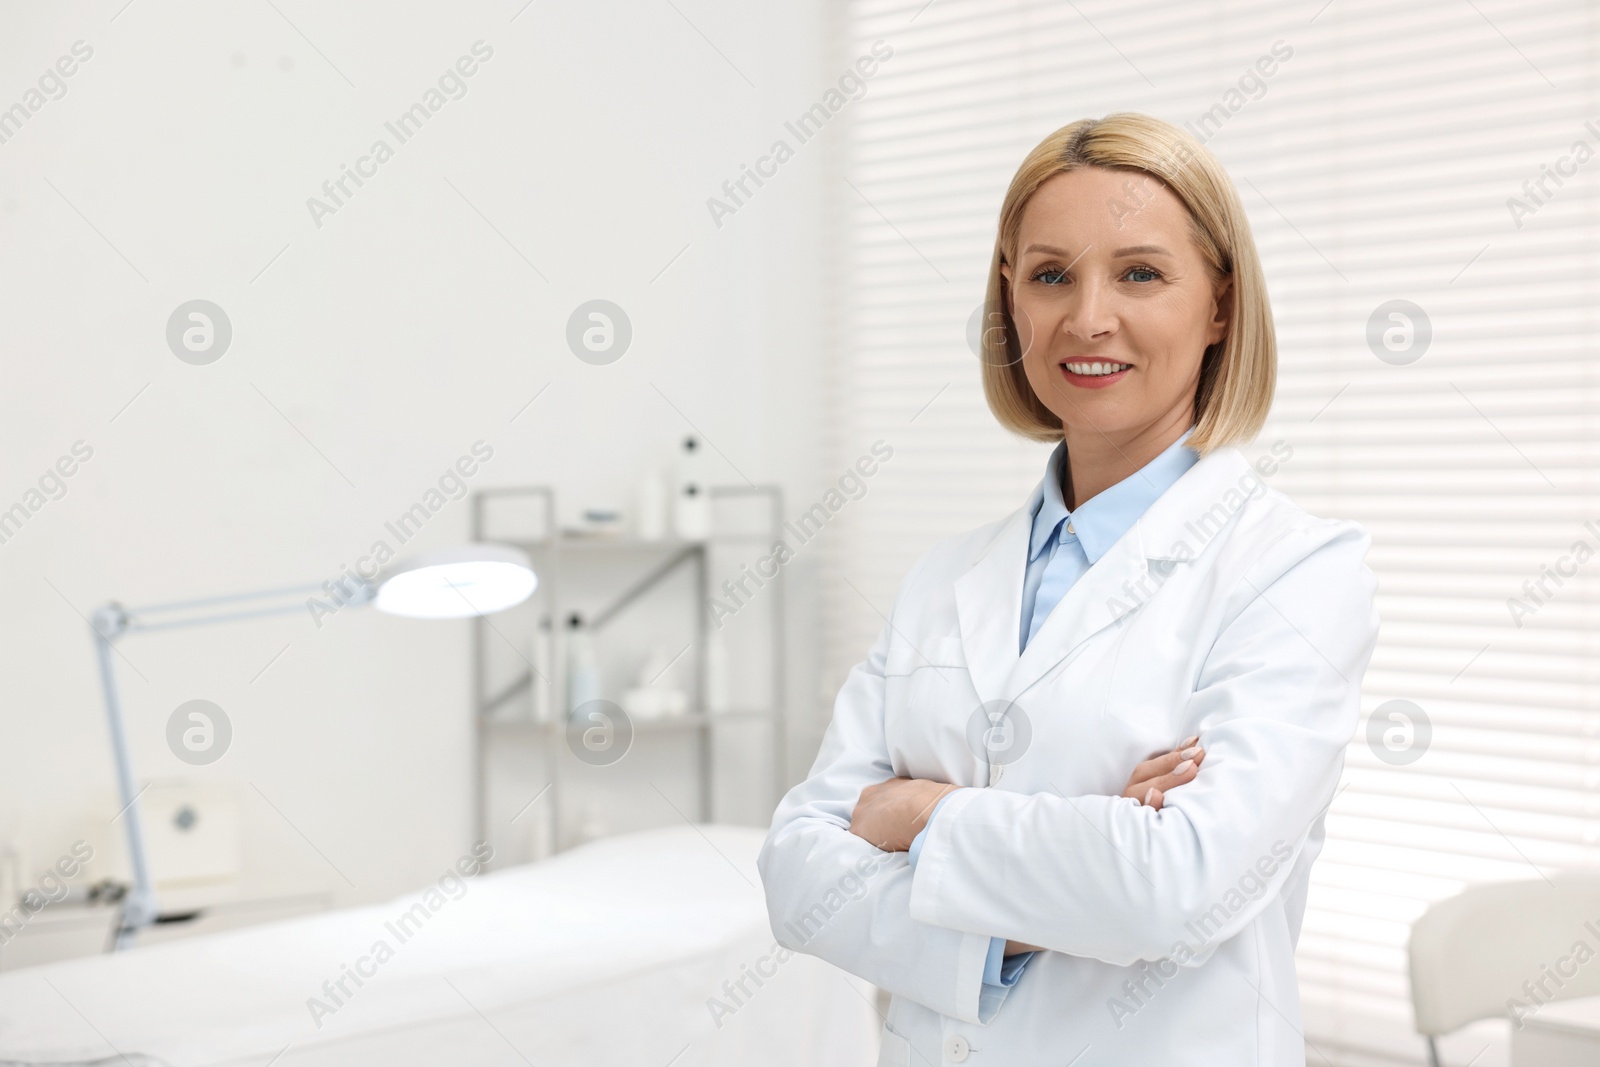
(1093, 368)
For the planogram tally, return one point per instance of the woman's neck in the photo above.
(1096, 461)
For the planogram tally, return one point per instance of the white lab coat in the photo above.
(1226, 611)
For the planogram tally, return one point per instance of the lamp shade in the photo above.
(455, 583)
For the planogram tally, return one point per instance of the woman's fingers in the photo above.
(1164, 763)
(1183, 772)
(1156, 765)
(1155, 776)
(1162, 782)
(1152, 778)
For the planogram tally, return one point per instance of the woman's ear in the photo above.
(1221, 313)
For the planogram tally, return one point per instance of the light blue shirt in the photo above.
(1062, 546)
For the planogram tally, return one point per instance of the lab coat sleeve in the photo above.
(1276, 703)
(998, 971)
(831, 894)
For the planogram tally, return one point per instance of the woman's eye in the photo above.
(1055, 275)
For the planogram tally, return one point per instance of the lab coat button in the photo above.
(956, 1048)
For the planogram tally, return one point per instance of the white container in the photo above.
(691, 500)
(651, 522)
(657, 691)
(643, 703)
(541, 698)
(691, 512)
(583, 671)
(717, 681)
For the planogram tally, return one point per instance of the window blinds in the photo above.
(1426, 153)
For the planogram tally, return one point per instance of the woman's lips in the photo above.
(1093, 381)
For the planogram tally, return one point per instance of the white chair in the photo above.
(1472, 953)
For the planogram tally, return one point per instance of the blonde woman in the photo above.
(1067, 807)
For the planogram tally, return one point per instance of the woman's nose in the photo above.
(1088, 314)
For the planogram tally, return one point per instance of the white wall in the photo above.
(371, 354)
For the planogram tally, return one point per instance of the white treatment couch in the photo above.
(603, 955)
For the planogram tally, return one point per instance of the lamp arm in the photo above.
(139, 907)
(114, 621)
(351, 592)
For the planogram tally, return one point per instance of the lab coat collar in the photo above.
(1172, 532)
(1103, 518)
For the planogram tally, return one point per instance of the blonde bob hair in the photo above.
(1238, 373)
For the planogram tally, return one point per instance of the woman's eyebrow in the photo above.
(1135, 250)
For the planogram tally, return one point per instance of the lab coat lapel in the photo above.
(989, 607)
(1094, 602)
(1128, 576)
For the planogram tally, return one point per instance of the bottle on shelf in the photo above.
(717, 681)
(691, 504)
(583, 670)
(650, 524)
(541, 698)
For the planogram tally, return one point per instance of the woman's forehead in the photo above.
(1108, 210)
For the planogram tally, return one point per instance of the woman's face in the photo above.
(1107, 277)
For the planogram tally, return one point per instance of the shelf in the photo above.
(624, 568)
(666, 722)
(620, 542)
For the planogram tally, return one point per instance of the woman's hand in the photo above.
(891, 813)
(1152, 778)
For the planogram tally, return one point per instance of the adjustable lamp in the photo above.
(451, 583)
(454, 583)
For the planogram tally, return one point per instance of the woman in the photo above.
(1067, 807)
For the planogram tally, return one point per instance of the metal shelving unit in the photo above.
(553, 553)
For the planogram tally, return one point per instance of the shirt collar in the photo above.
(1102, 520)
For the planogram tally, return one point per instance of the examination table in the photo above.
(649, 949)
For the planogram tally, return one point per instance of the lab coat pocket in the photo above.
(896, 1051)
(928, 698)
